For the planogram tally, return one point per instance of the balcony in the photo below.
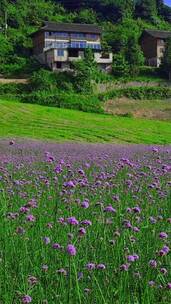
(103, 57)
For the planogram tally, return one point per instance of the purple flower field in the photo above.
(84, 223)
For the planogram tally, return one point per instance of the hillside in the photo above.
(122, 23)
(40, 122)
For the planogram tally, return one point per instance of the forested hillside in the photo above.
(121, 20)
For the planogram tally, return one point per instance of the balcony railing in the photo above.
(72, 45)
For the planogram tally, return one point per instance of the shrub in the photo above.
(12, 88)
(120, 66)
(42, 80)
(138, 93)
(86, 103)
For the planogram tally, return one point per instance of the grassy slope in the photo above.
(40, 122)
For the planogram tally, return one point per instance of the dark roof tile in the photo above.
(158, 34)
(70, 27)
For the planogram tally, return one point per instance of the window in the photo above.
(92, 36)
(60, 53)
(62, 34)
(94, 46)
(78, 44)
(78, 35)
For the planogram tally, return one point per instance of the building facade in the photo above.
(153, 46)
(59, 44)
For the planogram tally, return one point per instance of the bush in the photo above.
(42, 80)
(120, 66)
(138, 93)
(12, 88)
(19, 66)
(86, 103)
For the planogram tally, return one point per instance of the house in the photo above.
(59, 44)
(153, 45)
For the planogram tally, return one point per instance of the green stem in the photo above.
(77, 285)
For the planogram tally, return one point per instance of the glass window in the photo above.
(78, 44)
(92, 36)
(62, 34)
(60, 53)
(94, 46)
(78, 35)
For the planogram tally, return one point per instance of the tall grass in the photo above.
(127, 202)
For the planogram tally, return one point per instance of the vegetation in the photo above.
(148, 93)
(34, 121)
(78, 216)
(143, 108)
(122, 22)
(166, 60)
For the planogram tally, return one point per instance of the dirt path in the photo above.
(5, 80)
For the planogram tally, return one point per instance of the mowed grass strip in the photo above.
(47, 123)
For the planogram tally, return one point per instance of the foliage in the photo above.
(86, 16)
(134, 56)
(166, 60)
(12, 89)
(83, 72)
(69, 100)
(120, 19)
(120, 66)
(6, 49)
(146, 9)
(42, 80)
(140, 93)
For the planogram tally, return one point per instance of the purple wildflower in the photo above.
(163, 270)
(72, 221)
(136, 209)
(85, 204)
(82, 231)
(109, 209)
(26, 299)
(71, 250)
(56, 246)
(32, 280)
(86, 223)
(163, 235)
(101, 266)
(153, 263)
(46, 240)
(30, 218)
(169, 285)
(124, 267)
(90, 266)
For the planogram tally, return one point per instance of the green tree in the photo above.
(146, 9)
(134, 56)
(166, 60)
(83, 72)
(6, 49)
(86, 16)
(120, 66)
(160, 6)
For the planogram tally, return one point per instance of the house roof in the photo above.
(69, 27)
(158, 34)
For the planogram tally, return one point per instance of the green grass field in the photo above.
(40, 122)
